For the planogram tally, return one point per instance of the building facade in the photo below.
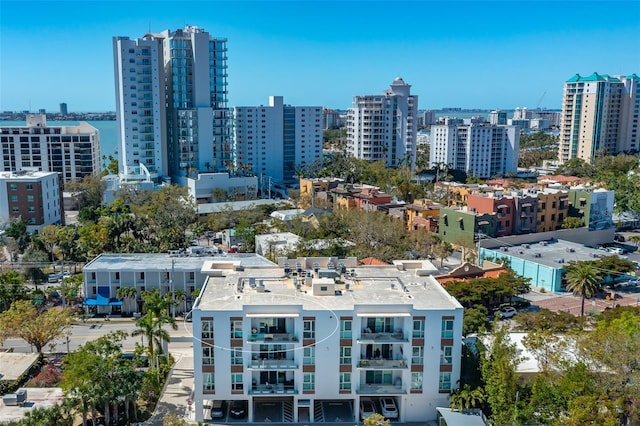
(479, 149)
(599, 113)
(274, 141)
(172, 112)
(36, 197)
(72, 151)
(384, 127)
(306, 341)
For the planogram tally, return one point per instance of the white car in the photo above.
(615, 250)
(389, 409)
(507, 312)
(367, 408)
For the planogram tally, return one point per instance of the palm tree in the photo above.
(128, 294)
(466, 398)
(583, 280)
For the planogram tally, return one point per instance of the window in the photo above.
(309, 381)
(14, 198)
(117, 276)
(445, 355)
(236, 382)
(309, 355)
(208, 382)
(30, 198)
(31, 209)
(236, 329)
(29, 186)
(416, 380)
(309, 329)
(445, 381)
(418, 328)
(207, 355)
(345, 355)
(417, 355)
(207, 329)
(345, 381)
(447, 329)
(345, 329)
(13, 186)
(236, 356)
(15, 209)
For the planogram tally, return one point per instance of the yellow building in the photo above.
(553, 208)
(422, 208)
(317, 188)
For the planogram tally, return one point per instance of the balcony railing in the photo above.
(272, 337)
(376, 389)
(373, 364)
(383, 337)
(267, 389)
(272, 364)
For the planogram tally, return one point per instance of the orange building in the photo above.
(495, 202)
(423, 213)
(553, 208)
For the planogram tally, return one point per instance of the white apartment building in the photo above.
(176, 83)
(599, 112)
(34, 196)
(273, 141)
(72, 151)
(310, 338)
(481, 150)
(140, 107)
(384, 127)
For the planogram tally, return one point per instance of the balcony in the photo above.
(386, 364)
(272, 364)
(398, 336)
(272, 338)
(377, 389)
(270, 389)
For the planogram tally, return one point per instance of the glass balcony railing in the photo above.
(272, 364)
(383, 337)
(373, 364)
(269, 389)
(377, 389)
(272, 338)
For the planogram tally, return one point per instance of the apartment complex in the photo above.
(599, 113)
(36, 197)
(480, 149)
(384, 127)
(308, 339)
(171, 103)
(273, 141)
(72, 151)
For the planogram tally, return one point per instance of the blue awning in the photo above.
(102, 301)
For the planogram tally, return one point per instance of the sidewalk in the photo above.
(178, 389)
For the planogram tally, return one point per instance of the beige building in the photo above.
(599, 112)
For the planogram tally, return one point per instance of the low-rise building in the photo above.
(36, 197)
(308, 339)
(461, 226)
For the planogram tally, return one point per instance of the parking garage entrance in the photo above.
(333, 411)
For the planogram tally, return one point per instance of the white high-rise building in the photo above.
(274, 141)
(599, 113)
(384, 127)
(171, 92)
(481, 150)
(72, 151)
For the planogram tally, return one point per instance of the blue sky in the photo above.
(498, 54)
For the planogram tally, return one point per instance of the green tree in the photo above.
(376, 419)
(583, 280)
(498, 368)
(572, 223)
(12, 289)
(466, 398)
(128, 296)
(37, 328)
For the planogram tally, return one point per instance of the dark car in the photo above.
(619, 238)
(218, 409)
(238, 408)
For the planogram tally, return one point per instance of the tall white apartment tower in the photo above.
(481, 150)
(599, 113)
(182, 78)
(140, 106)
(273, 141)
(383, 127)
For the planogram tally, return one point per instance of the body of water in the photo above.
(108, 132)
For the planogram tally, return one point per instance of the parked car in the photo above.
(218, 409)
(507, 312)
(615, 250)
(366, 408)
(389, 409)
(238, 408)
(619, 238)
(54, 278)
(633, 282)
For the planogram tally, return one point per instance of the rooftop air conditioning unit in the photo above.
(537, 255)
(543, 243)
(526, 246)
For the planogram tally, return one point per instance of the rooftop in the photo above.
(554, 253)
(407, 285)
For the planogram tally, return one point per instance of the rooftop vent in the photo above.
(570, 250)
(537, 255)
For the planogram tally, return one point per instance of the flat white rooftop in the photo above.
(387, 286)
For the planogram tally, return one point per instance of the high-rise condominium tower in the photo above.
(599, 113)
(383, 127)
(171, 93)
